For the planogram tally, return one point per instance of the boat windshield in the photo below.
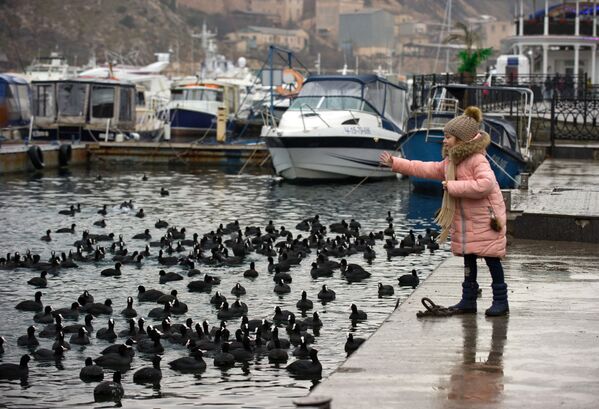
(333, 94)
(197, 94)
(330, 103)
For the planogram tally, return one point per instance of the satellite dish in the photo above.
(241, 61)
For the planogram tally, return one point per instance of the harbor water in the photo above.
(199, 200)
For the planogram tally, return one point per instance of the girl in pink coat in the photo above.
(473, 211)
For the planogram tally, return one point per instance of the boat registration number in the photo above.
(357, 130)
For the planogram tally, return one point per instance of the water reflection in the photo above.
(479, 382)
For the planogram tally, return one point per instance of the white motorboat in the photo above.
(337, 127)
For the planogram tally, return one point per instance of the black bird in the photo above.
(143, 236)
(41, 281)
(304, 303)
(151, 375)
(325, 294)
(111, 272)
(67, 229)
(161, 224)
(85, 298)
(282, 288)
(81, 338)
(389, 217)
(305, 367)
(165, 277)
(14, 371)
(129, 312)
(107, 333)
(238, 290)
(70, 212)
(103, 211)
(28, 340)
(91, 372)
(47, 236)
(224, 358)
(151, 295)
(409, 280)
(385, 290)
(251, 272)
(140, 213)
(164, 192)
(34, 305)
(352, 344)
(100, 223)
(193, 363)
(110, 391)
(356, 314)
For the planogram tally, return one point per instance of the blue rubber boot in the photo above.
(467, 305)
(500, 305)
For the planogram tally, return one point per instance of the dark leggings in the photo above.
(494, 264)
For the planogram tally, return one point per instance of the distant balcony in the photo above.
(557, 26)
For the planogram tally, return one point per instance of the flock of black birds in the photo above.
(229, 245)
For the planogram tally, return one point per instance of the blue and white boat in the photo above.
(193, 108)
(337, 127)
(507, 113)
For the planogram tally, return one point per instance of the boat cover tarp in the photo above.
(15, 101)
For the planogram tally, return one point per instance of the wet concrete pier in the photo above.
(561, 203)
(545, 354)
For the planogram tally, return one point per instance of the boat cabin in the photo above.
(90, 104)
(212, 93)
(368, 93)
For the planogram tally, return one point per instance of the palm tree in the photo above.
(471, 57)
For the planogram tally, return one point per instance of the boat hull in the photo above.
(415, 145)
(324, 157)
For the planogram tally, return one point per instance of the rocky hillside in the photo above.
(136, 29)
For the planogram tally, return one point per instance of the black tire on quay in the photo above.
(36, 156)
(65, 152)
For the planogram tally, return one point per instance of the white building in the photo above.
(560, 38)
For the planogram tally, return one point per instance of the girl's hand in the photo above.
(386, 159)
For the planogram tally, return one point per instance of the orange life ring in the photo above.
(291, 88)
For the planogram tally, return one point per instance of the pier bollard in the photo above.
(314, 402)
(221, 124)
(507, 199)
(524, 180)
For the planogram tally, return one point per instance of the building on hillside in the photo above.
(287, 10)
(560, 38)
(367, 32)
(254, 37)
(491, 30)
(327, 15)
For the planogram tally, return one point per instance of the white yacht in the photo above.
(337, 127)
(54, 67)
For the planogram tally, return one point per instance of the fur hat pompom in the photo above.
(474, 113)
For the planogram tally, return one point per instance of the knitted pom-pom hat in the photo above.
(465, 126)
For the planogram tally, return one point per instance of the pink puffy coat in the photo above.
(477, 193)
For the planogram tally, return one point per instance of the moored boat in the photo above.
(507, 115)
(337, 127)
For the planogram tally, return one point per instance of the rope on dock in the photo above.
(503, 170)
(248, 160)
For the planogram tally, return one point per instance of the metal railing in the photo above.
(565, 107)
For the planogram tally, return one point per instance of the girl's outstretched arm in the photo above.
(427, 170)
